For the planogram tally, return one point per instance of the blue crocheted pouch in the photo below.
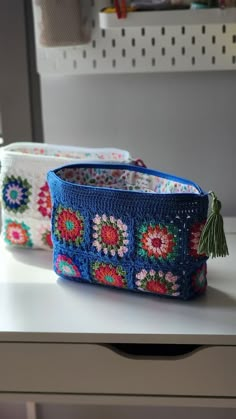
(128, 227)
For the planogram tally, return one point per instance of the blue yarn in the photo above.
(139, 218)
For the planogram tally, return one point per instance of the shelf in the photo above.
(145, 42)
(165, 18)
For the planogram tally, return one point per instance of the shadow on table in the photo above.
(211, 299)
(39, 258)
(214, 298)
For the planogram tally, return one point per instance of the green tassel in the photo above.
(213, 241)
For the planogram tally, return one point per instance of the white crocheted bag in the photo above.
(26, 202)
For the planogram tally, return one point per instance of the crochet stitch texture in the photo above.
(111, 225)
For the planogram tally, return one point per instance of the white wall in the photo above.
(14, 78)
(12, 411)
(180, 123)
(50, 411)
(73, 412)
(0, 124)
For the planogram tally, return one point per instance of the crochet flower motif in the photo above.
(157, 282)
(157, 241)
(44, 201)
(69, 225)
(46, 238)
(17, 234)
(107, 274)
(110, 235)
(199, 279)
(65, 266)
(16, 193)
(194, 239)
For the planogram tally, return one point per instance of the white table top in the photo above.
(37, 306)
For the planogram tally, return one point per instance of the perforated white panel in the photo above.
(141, 49)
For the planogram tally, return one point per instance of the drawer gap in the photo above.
(153, 350)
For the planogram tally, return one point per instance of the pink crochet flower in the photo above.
(110, 235)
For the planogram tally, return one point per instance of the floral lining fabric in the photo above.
(125, 180)
(70, 153)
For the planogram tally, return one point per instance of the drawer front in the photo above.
(97, 369)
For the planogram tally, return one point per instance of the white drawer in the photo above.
(97, 369)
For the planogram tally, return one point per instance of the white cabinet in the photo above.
(62, 342)
(101, 370)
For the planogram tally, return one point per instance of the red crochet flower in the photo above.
(109, 235)
(158, 282)
(157, 241)
(194, 239)
(69, 225)
(44, 202)
(47, 238)
(108, 274)
(17, 234)
(156, 286)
